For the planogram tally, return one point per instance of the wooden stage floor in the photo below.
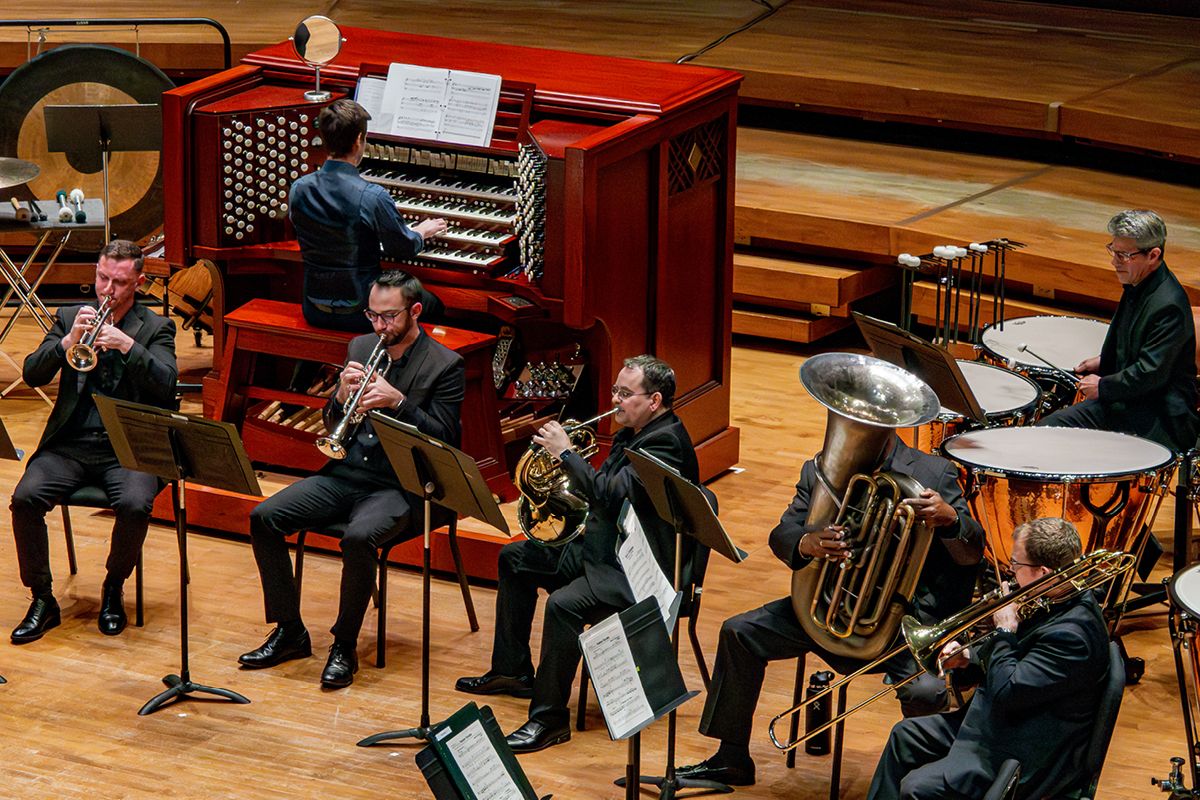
(69, 709)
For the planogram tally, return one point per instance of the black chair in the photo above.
(93, 496)
(1008, 778)
(441, 520)
(1082, 785)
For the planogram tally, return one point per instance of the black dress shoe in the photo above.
(497, 684)
(340, 668)
(42, 615)
(740, 775)
(112, 612)
(280, 646)
(534, 736)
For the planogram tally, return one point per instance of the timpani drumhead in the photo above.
(999, 391)
(1063, 341)
(1056, 454)
(1184, 589)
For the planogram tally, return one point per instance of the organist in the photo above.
(343, 223)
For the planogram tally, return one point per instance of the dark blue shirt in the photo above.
(343, 223)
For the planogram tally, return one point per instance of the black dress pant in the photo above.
(525, 568)
(917, 763)
(51, 476)
(375, 514)
(749, 641)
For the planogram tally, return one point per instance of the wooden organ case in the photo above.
(599, 220)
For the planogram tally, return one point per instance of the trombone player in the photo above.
(1044, 676)
(131, 357)
(749, 640)
(423, 384)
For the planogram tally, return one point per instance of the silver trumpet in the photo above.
(333, 445)
(82, 355)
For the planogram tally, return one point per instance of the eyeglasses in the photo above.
(387, 316)
(1123, 256)
(624, 393)
(1016, 563)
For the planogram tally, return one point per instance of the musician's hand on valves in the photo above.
(553, 437)
(352, 376)
(431, 227)
(111, 337)
(828, 543)
(1088, 366)
(1089, 387)
(930, 506)
(1006, 617)
(379, 394)
(83, 324)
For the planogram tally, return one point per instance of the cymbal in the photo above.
(16, 172)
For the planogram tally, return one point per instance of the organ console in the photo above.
(598, 220)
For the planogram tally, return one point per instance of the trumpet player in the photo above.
(134, 356)
(584, 578)
(750, 640)
(1043, 681)
(423, 385)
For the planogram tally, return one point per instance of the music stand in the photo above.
(86, 131)
(179, 448)
(932, 364)
(9, 453)
(681, 503)
(442, 476)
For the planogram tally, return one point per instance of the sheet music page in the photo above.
(641, 568)
(370, 96)
(481, 765)
(470, 113)
(615, 678)
(415, 95)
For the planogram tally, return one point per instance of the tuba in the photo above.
(548, 512)
(854, 608)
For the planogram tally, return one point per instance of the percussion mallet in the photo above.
(65, 214)
(1074, 379)
(20, 212)
(36, 209)
(77, 201)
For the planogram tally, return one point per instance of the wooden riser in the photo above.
(786, 328)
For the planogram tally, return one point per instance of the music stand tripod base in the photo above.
(679, 784)
(179, 687)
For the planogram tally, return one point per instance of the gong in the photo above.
(85, 74)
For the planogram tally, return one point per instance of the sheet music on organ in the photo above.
(441, 105)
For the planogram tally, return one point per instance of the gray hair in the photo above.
(1142, 226)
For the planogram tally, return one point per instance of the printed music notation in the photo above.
(441, 105)
(615, 677)
(481, 765)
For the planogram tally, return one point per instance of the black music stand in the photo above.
(681, 503)
(179, 448)
(932, 364)
(450, 479)
(87, 131)
(9, 453)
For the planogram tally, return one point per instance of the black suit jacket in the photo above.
(1148, 362)
(945, 584)
(606, 489)
(146, 374)
(1038, 700)
(433, 380)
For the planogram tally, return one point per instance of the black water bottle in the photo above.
(819, 712)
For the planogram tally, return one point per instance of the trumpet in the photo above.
(82, 355)
(333, 445)
(549, 512)
(927, 641)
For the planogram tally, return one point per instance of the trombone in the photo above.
(82, 355)
(926, 641)
(334, 445)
